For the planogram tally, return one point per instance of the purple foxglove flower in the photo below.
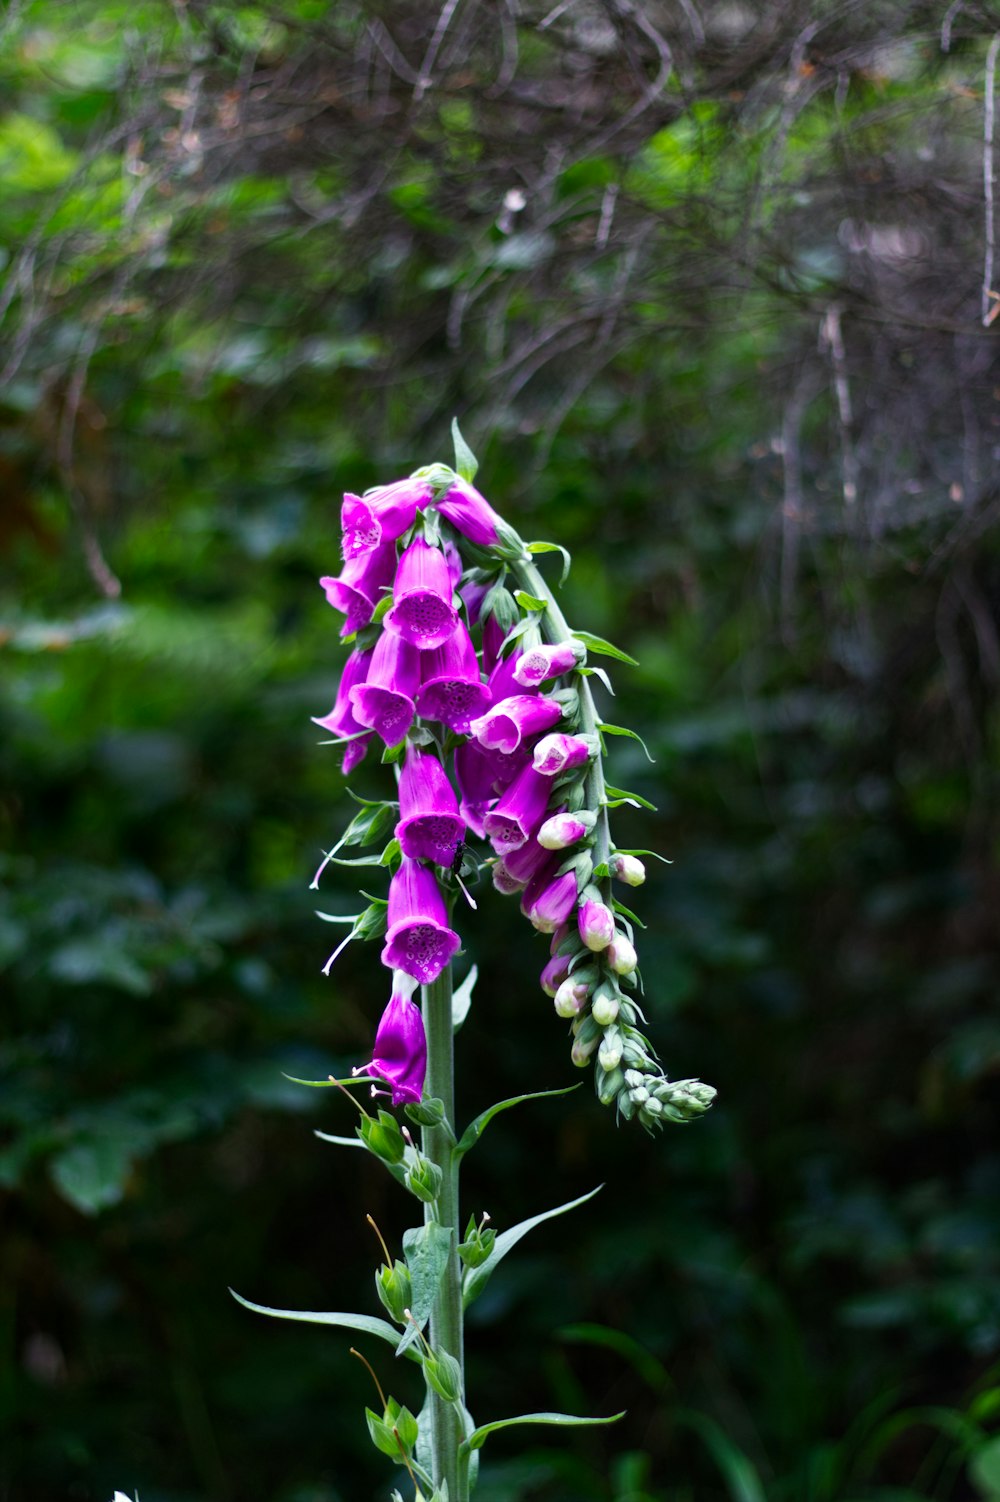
(473, 593)
(559, 753)
(340, 721)
(382, 515)
(453, 559)
(554, 974)
(470, 513)
(519, 866)
(596, 924)
(474, 775)
(400, 1053)
(429, 827)
(384, 702)
(451, 689)
(422, 611)
(564, 829)
(519, 811)
(540, 663)
(502, 683)
(418, 939)
(493, 639)
(627, 868)
(548, 900)
(507, 724)
(357, 588)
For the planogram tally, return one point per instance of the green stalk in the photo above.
(446, 1316)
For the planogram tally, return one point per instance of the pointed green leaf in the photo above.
(529, 602)
(553, 547)
(476, 1278)
(599, 673)
(607, 729)
(604, 648)
(466, 463)
(426, 1249)
(475, 1129)
(654, 853)
(351, 1079)
(461, 999)
(366, 1324)
(479, 1436)
(339, 1141)
(615, 797)
(626, 912)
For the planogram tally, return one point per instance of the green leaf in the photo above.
(475, 1129)
(478, 1437)
(353, 1079)
(598, 673)
(476, 1278)
(626, 912)
(466, 463)
(604, 648)
(529, 602)
(615, 797)
(339, 1141)
(607, 729)
(984, 1469)
(553, 547)
(654, 853)
(461, 999)
(92, 1175)
(426, 1249)
(366, 1324)
(742, 1480)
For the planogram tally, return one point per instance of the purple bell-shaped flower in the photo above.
(470, 513)
(341, 721)
(382, 515)
(429, 826)
(451, 689)
(504, 726)
(418, 939)
(400, 1053)
(357, 588)
(384, 702)
(519, 811)
(422, 612)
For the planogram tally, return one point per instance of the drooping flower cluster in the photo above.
(456, 674)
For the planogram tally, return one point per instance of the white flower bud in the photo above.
(605, 1009)
(571, 997)
(610, 1054)
(621, 956)
(627, 868)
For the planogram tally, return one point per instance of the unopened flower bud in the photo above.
(605, 1006)
(393, 1286)
(596, 924)
(555, 973)
(639, 1095)
(627, 868)
(444, 1374)
(581, 1051)
(571, 997)
(608, 1085)
(424, 1180)
(383, 1137)
(621, 955)
(610, 1054)
(565, 829)
(633, 1077)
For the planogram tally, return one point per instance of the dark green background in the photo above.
(703, 285)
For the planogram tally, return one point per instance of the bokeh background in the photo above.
(709, 287)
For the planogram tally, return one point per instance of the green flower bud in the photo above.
(606, 1004)
(424, 1179)
(608, 1085)
(581, 1052)
(395, 1433)
(444, 1374)
(393, 1286)
(610, 1053)
(426, 1112)
(478, 1243)
(383, 1137)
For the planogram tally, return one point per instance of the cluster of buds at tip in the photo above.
(461, 664)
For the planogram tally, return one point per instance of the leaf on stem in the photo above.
(461, 999)
(476, 1278)
(426, 1249)
(479, 1436)
(466, 463)
(615, 797)
(604, 648)
(366, 1324)
(607, 729)
(553, 547)
(475, 1129)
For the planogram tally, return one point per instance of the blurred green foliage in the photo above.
(716, 328)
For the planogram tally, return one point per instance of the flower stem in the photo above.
(446, 1316)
